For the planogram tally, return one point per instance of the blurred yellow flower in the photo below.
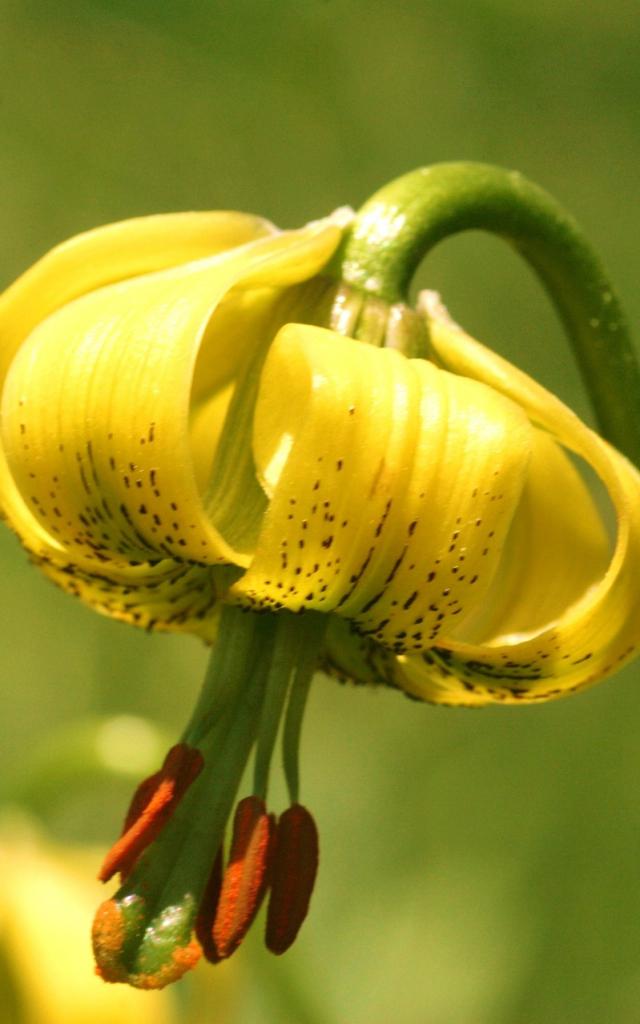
(47, 899)
(48, 972)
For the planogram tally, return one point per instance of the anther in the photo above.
(208, 909)
(247, 876)
(140, 799)
(293, 873)
(152, 805)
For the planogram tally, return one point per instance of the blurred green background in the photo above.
(477, 867)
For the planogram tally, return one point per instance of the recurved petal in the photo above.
(599, 627)
(167, 596)
(93, 259)
(351, 658)
(116, 252)
(392, 487)
(97, 404)
(556, 549)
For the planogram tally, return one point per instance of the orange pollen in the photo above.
(108, 938)
(295, 864)
(182, 960)
(247, 876)
(153, 803)
(140, 799)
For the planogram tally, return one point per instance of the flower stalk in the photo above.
(398, 227)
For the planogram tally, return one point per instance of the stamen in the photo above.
(153, 803)
(140, 799)
(293, 873)
(299, 691)
(146, 936)
(281, 670)
(208, 909)
(247, 876)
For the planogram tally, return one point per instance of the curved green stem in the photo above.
(401, 223)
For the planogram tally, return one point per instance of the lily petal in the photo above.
(117, 252)
(553, 552)
(101, 472)
(599, 629)
(392, 484)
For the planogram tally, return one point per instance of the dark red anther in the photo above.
(293, 873)
(208, 910)
(247, 876)
(140, 799)
(152, 805)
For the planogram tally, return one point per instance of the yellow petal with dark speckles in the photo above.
(392, 484)
(598, 629)
(107, 467)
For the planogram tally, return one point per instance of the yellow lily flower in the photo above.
(190, 435)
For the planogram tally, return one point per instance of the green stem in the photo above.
(398, 227)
